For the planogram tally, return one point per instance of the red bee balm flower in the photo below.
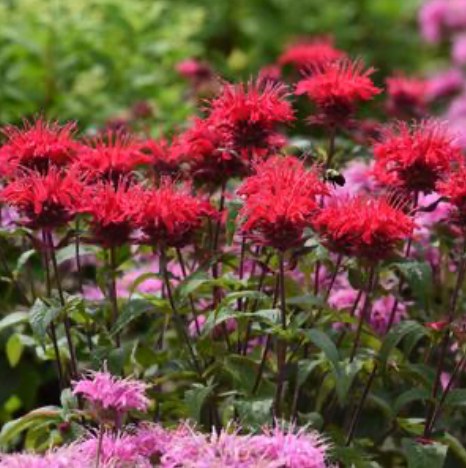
(112, 155)
(280, 200)
(335, 88)
(310, 53)
(36, 146)
(170, 215)
(113, 210)
(45, 200)
(163, 159)
(249, 114)
(454, 188)
(406, 96)
(414, 158)
(202, 147)
(365, 227)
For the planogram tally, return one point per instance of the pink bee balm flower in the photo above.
(291, 449)
(107, 392)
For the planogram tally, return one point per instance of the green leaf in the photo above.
(419, 277)
(431, 455)
(69, 252)
(132, 310)
(191, 284)
(305, 368)
(456, 447)
(40, 317)
(14, 350)
(323, 342)
(13, 428)
(15, 318)
(195, 399)
(22, 260)
(244, 372)
(456, 397)
(393, 338)
(415, 394)
(357, 279)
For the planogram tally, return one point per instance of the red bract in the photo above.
(45, 200)
(203, 148)
(310, 53)
(163, 159)
(170, 215)
(280, 200)
(406, 96)
(37, 146)
(113, 210)
(112, 155)
(248, 115)
(365, 227)
(335, 88)
(413, 158)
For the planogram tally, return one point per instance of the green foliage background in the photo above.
(89, 60)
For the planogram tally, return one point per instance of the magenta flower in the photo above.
(109, 393)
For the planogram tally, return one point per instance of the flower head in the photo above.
(37, 146)
(335, 88)
(112, 155)
(67, 457)
(111, 395)
(413, 158)
(291, 449)
(204, 150)
(113, 210)
(45, 200)
(407, 96)
(163, 159)
(453, 186)
(310, 53)
(248, 115)
(280, 200)
(170, 215)
(361, 226)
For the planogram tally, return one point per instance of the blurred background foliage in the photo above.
(90, 60)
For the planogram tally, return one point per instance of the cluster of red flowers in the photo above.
(37, 146)
(414, 158)
(51, 177)
(55, 178)
(336, 88)
(310, 53)
(280, 201)
(407, 97)
(364, 227)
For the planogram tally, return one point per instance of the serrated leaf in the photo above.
(394, 337)
(132, 310)
(41, 316)
(418, 455)
(323, 342)
(195, 399)
(244, 372)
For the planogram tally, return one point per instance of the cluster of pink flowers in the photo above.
(150, 445)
